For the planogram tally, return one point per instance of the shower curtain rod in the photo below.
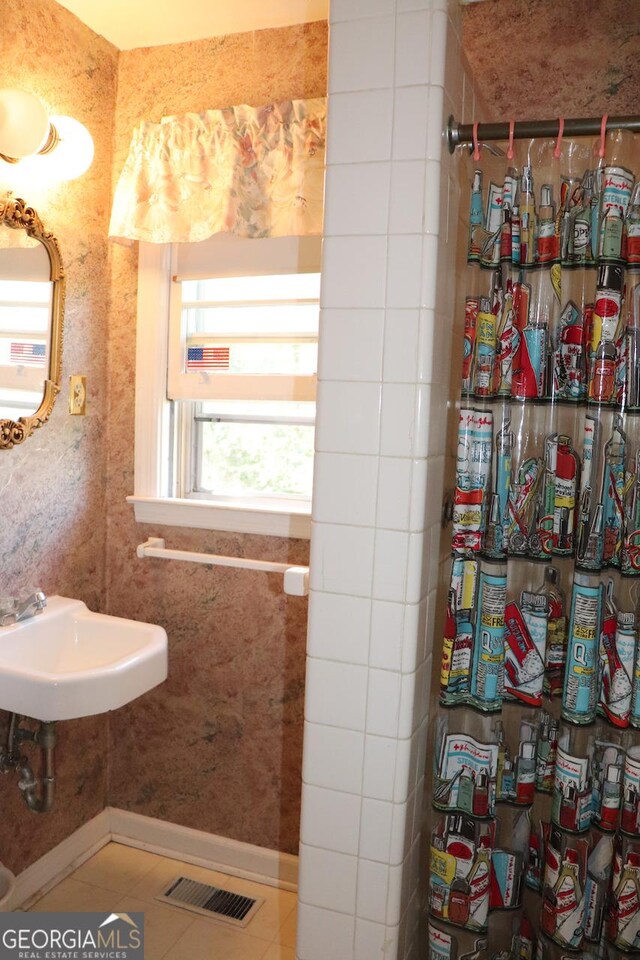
(458, 133)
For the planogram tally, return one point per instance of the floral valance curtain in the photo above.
(252, 171)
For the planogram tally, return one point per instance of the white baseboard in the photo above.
(59, 862)
(157, 836)
(205, 849)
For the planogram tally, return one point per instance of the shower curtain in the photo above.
(535, 845)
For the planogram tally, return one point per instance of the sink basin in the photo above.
(68, 662)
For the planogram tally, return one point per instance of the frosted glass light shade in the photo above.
(72, 155)
(24, 124)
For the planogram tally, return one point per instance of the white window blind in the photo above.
(244, 320)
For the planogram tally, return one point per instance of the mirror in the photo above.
(31, 318)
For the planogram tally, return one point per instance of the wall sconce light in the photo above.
(55, 148)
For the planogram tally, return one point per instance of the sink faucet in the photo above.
(24, 609)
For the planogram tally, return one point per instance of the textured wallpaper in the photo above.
(563, 58)
(52, 531)
(218, 747)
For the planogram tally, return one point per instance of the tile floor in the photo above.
(123, 879)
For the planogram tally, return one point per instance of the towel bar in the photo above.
(296, 579)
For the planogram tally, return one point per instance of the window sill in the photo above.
(232, 518)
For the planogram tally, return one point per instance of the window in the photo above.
(25, 312)
(235, 427)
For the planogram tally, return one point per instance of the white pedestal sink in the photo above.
(68, 662)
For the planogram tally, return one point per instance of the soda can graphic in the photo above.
(487, 673)
(580, 690)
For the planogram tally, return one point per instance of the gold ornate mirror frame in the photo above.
(14, 213)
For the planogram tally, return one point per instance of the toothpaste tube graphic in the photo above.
(505, 344)
(476, 219)
(580, 690)
(541, 542)
(471, 307)
(495, 539)
(613, 492)
(491, 236)
(487, 674)
(529, 374)
(617, 654)
(631, 547)
(524, 639)
(522, 500)
(506, 876)
(590, 544)
(528, 222)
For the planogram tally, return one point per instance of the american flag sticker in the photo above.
(34, 354)
(207, 358)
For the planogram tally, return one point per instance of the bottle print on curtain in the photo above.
(535, 847)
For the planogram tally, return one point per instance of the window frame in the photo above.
(156, 426)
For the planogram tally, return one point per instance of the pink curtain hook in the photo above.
(603, 135)
(476, 145)
(558, 146)
(512, 125)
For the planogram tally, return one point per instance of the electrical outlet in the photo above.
(77, 395)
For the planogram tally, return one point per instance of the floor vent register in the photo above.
(210, 901)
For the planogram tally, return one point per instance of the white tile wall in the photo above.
(332, 758)
(351, 345)
(340, 627)
(362, 54)
(331, 820)
(387, 300)
(328, 879)
(352, 213)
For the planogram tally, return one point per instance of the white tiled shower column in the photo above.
(387, 299)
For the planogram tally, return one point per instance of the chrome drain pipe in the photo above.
(13, 759)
